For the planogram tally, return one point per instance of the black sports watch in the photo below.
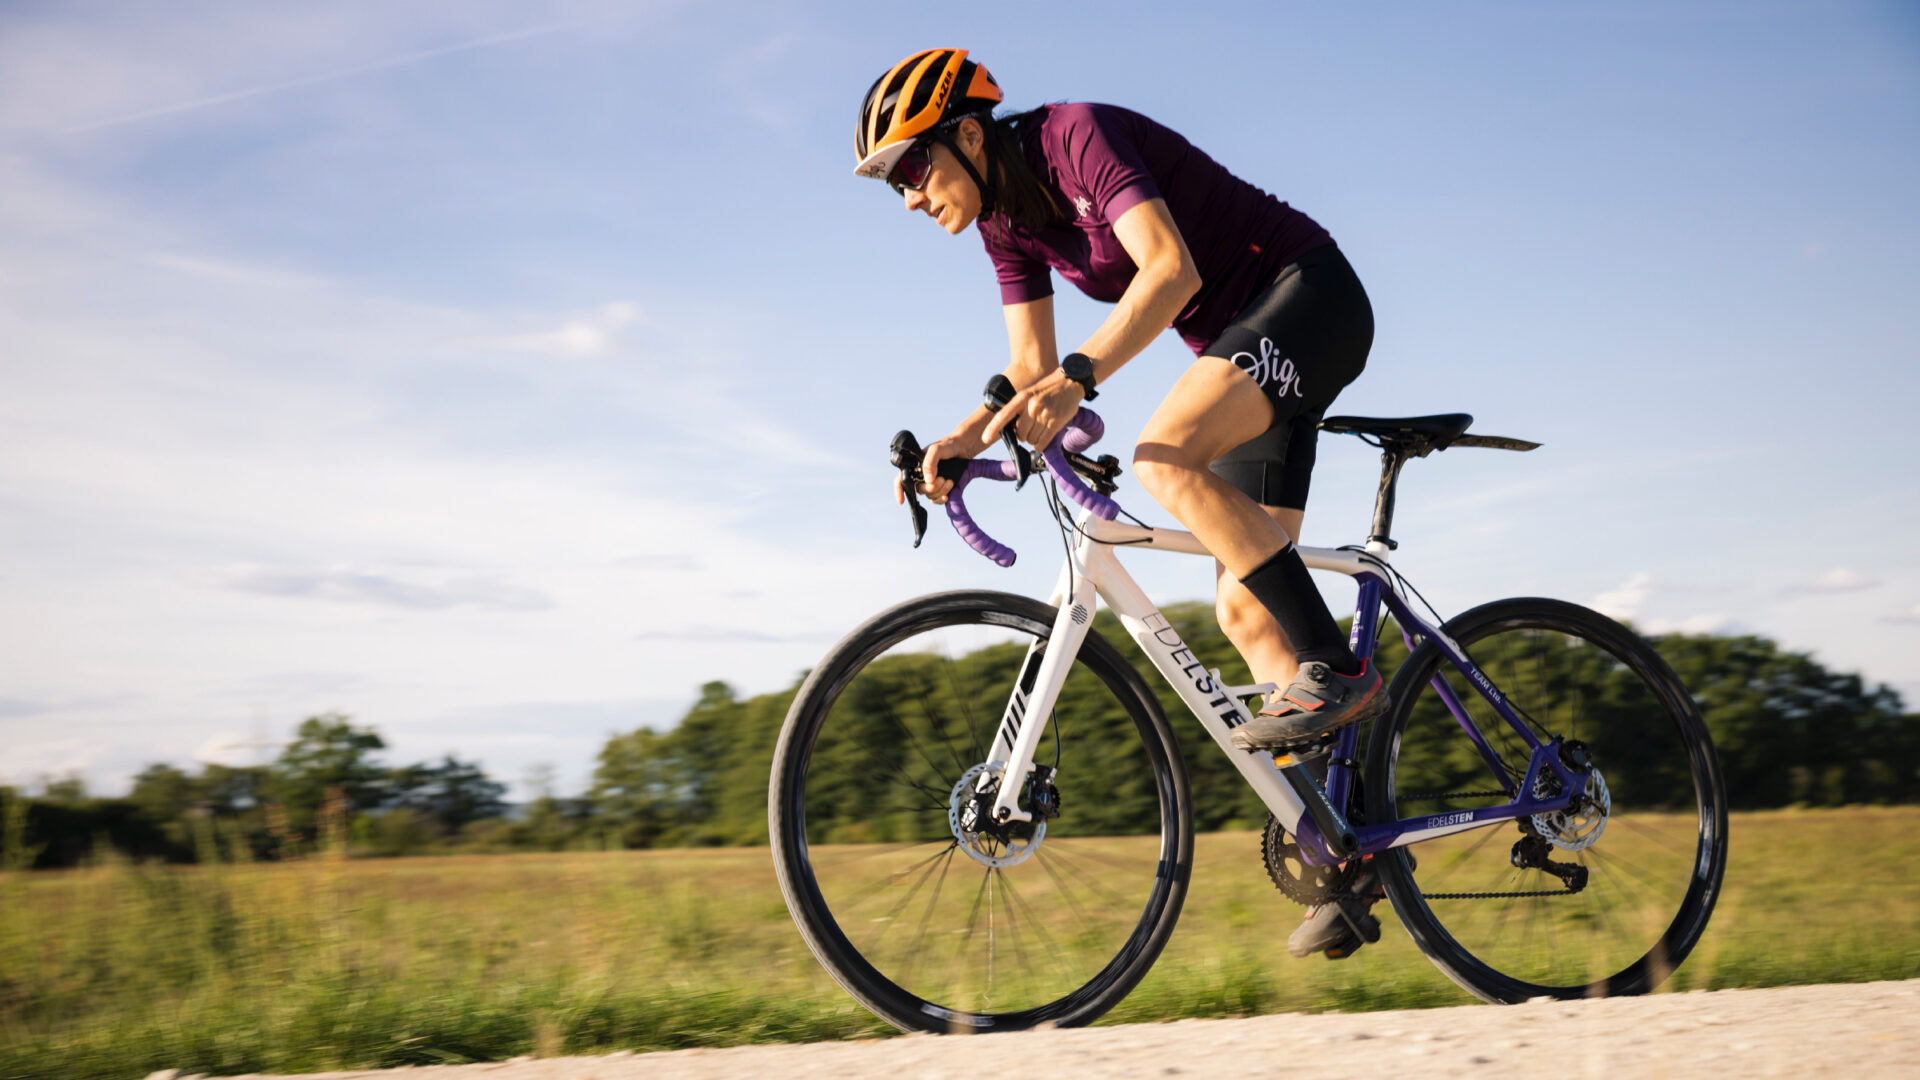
(1077, 367)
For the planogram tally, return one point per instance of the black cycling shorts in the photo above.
(1303, 339)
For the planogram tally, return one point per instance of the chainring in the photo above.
(1299, 882)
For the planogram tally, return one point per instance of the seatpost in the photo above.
(1390, 462)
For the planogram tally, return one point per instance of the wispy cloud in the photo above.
(1710, 623)
(1840, 579)
(316, 79)
(593, 333)
(684, 564)
(1624, 601)
(725, 635)
(1909, 616)
(1631, 598)
(349, 586)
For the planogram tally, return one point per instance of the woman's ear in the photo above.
(971, 135)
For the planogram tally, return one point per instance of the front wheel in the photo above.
(927, 913)
(1604, 899)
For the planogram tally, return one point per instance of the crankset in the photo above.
(1298, 881)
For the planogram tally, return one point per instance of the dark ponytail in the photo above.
(1021, 198)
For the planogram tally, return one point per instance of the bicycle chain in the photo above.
(1275, 839)
(1494, 895)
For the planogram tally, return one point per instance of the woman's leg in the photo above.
(1212, 409)
(1252, 629)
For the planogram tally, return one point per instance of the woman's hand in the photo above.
(1041, 409)
(936, 487)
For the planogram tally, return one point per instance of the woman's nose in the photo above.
(916, 200)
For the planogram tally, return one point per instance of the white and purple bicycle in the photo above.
(981, 817)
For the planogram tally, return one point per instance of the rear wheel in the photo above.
(1602, 900)
(931, 917)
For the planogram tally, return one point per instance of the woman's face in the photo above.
(949, 196)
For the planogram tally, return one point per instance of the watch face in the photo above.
(1076, 367)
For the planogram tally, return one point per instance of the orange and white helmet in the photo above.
(913, 99)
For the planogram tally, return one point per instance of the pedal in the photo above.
(1342, 951)
(1301, 751)
(1367, 929)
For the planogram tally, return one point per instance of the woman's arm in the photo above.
(1165, 281)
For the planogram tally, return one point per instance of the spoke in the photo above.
(887, 921)
(1060, 884)
(1054, 952)
(1458, 861)
(914, 739)
(940, 797)
(966, 708)
(1128, 865)
(895, 811)
(868, 851)
(937, 726)
(1639, 873)
(992, 943)
(1506, 911)
(1526, 932)
(1093, 884)
(1653, 834)
(913, 954)
(890, 879)
(1579, 711)
(1600, 905)
(973, 923)
(898, 768)
(1013, 925)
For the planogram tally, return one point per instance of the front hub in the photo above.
(986, 841)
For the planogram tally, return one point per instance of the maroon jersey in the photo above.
(1099, 161)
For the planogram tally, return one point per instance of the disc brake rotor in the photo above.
(1577, 827)
(986, 842)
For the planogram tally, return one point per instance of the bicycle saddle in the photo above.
(1440, 429)
(1418, 436)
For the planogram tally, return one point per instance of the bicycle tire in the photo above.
(815, 747)
(1652, 750)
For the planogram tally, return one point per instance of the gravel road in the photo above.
(1863, 1031)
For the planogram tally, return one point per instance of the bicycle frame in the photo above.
(1093, 569)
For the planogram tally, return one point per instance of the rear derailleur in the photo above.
(1530, 853)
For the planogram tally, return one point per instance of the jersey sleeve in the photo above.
(1099, 157)
(1023, 278)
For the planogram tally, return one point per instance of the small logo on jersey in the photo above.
(1271, 370)
(1083, 204)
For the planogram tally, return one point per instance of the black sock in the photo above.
(1283, 587)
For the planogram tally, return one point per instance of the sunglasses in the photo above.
(910, 173)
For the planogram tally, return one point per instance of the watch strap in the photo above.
(1085, 380)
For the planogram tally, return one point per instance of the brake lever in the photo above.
(906, 457)
(999, 391)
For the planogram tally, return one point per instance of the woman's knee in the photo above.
(1165, 470)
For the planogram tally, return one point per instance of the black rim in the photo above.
(904, 917)
(1624, 894)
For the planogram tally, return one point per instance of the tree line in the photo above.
(1788, 731)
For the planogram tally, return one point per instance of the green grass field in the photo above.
(331, 964)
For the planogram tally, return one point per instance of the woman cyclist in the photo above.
(1136, 216)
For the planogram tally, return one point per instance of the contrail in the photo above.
(313, 80)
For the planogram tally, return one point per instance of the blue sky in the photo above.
(499, 372)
